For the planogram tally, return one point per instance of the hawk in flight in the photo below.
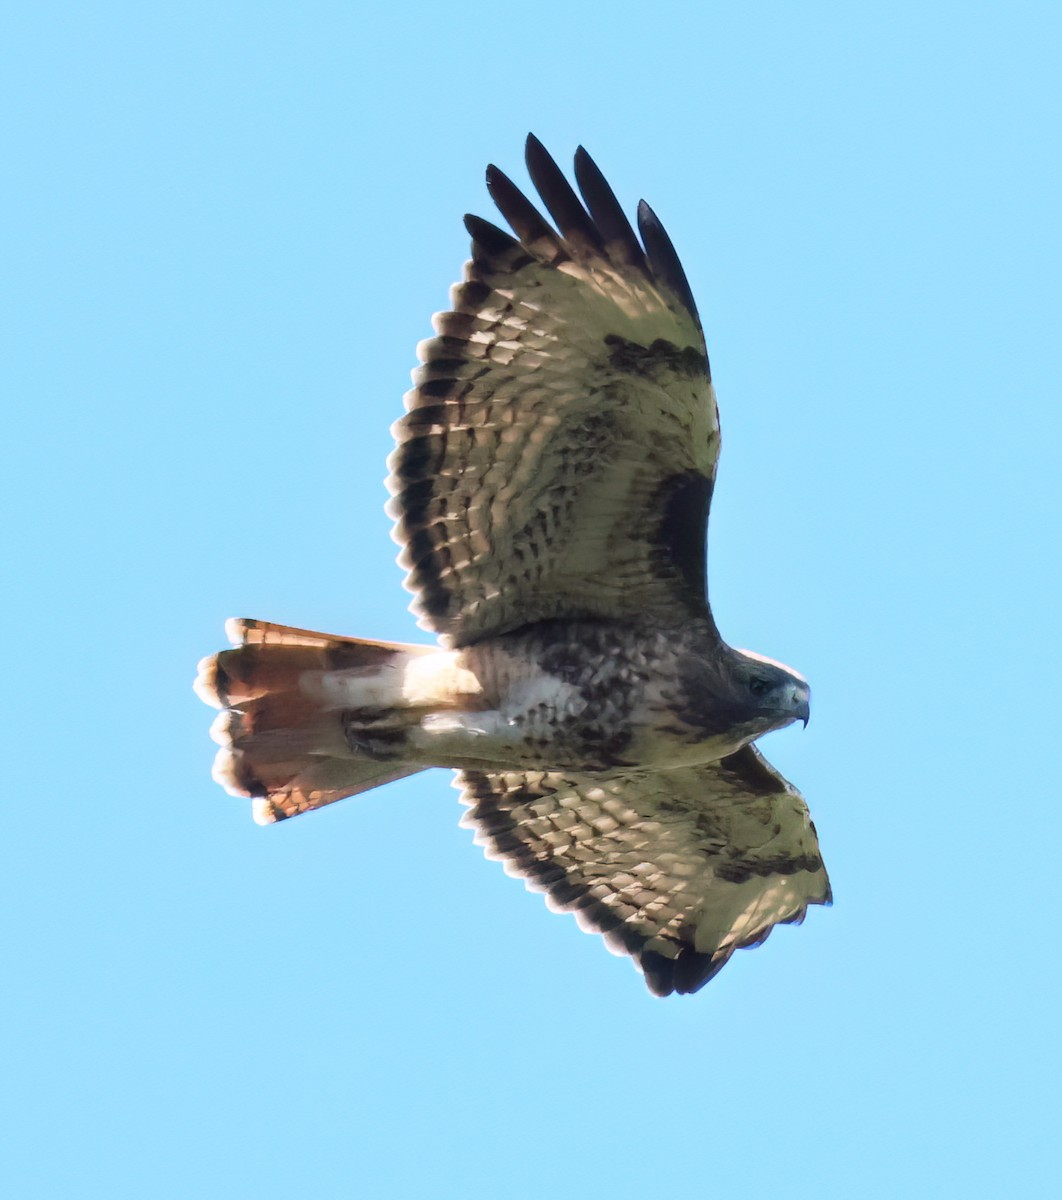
(550, 488)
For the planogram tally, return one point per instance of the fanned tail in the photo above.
(283, 695)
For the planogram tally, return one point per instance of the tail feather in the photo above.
(281, 730)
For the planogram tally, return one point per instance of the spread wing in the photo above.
(676, 868)
(559, 448)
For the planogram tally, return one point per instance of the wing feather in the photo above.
(560, 419)
(620, 239)
(677, 869)
(663, 257)
(488, 239)
(560, 199)
(530, 226)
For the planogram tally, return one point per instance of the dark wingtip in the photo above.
(663, 257)
(573, 221)
(526, 221)
(534, 151)
(494, 177)
(683, 975)
(492, 239)
(607, 212)
(593, 223)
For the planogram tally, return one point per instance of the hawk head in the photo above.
(732, 697)
(772, 690)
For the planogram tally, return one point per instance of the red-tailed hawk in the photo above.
(550, 490)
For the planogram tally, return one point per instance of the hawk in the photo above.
(550, 488)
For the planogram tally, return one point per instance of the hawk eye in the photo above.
(759, 687)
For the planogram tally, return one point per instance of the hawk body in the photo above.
(583, 695)
(550, 487)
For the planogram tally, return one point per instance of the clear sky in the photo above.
(226, 226)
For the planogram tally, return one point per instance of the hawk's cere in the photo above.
(550, 489)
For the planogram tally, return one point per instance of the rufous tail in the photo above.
(286, 697)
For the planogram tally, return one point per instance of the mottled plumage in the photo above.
(550, 488)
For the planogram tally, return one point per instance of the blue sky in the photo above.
(226, 227)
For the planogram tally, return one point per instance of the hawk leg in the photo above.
(377, 733)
